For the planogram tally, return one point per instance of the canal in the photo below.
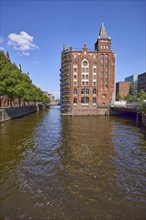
(72, 168)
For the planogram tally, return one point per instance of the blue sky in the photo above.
(33, 32)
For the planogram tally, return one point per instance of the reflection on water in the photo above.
(55, 167)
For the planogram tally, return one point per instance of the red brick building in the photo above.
(87, 78)
(123, 88)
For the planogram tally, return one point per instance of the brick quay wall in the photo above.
(16, 112)
(144, 120)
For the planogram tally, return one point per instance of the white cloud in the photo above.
(22, 42)
(1, 48)
(1, 41)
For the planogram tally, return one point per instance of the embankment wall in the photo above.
(16, 112)
(144, 120)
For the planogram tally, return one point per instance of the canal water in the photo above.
(72, 168)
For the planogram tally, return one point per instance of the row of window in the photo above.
(94, 56)
(84, 100)
(94, 70)
(84, 91)
(85, 83)
(94, 83)
(104, 47)
(93, 76)
(85, 76)
(84, 70)
(106, 60)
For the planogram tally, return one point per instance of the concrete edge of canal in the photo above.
(16, 112)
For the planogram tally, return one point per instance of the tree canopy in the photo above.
(16, 84)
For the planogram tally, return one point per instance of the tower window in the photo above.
(84, 100)
(75, 91)
(83, 70)
(75, 100)
(85, 91)
(94, 91)
(75, 83)
(85, 63)
(86, 70)
(94, 70)
(94, 100)
(83, 83)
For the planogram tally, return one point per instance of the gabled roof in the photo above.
(102, 33)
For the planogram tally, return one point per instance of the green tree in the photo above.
(9, 77)
(128, 97)
(142, 94)
(118, 97)
(15, 84)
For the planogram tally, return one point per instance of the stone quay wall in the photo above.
(144, 120)
(16, 112)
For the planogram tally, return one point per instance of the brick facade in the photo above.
(87, 78)
(123, 88)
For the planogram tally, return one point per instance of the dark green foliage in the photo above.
(142, 95)
(118, 97)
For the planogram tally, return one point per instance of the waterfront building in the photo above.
(52, 98)
(87, 78)
(122, 88)
(133, 79)
(142, 82)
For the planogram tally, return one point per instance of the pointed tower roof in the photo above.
(102, 33)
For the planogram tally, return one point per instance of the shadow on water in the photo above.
(57, 167)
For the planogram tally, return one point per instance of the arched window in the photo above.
(75, 100)
(85, 100)
(75, 91)
(94, 91)
(103, 96)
